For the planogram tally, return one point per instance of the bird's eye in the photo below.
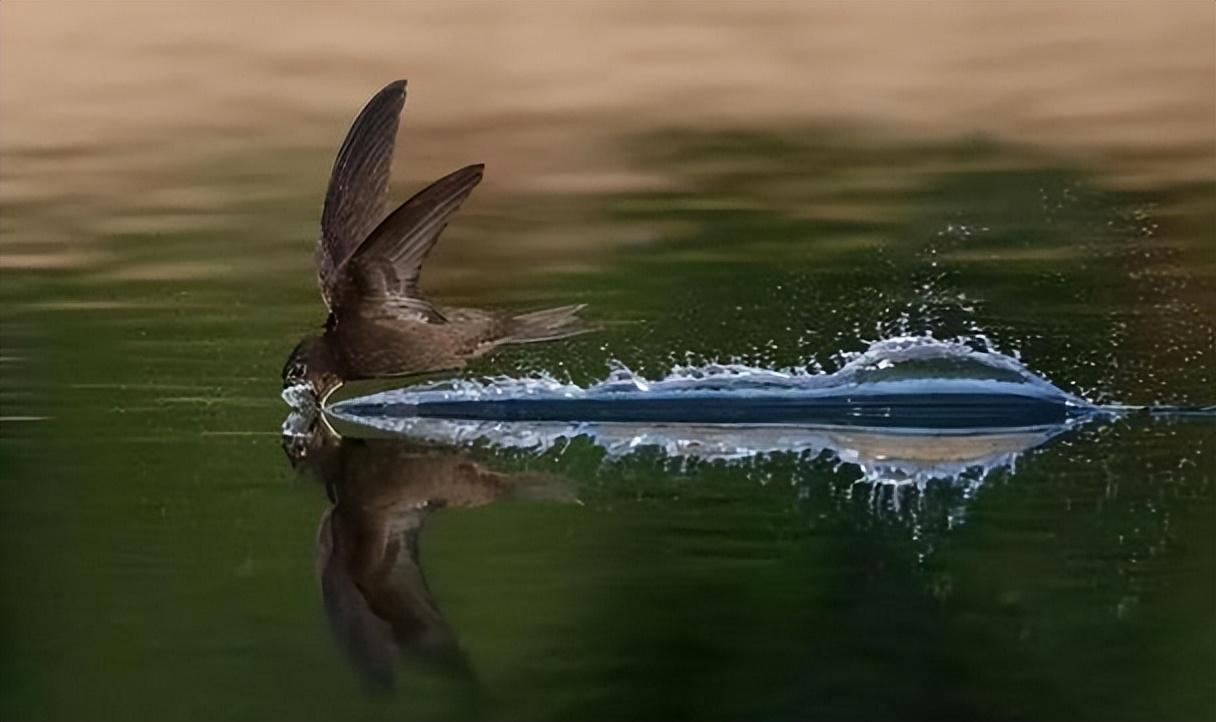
(293, 374)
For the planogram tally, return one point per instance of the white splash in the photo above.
(901, 360)
(300, 397)
(299, 424)
(881, 455)
(887, 456)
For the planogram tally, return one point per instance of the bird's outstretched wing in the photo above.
(380, 278)
(355, 199)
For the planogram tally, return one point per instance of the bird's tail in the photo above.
(548, 325)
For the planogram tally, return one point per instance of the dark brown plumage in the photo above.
(368, 267)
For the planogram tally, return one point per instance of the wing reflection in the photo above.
(373, 587)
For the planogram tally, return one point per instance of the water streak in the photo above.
(906, 366)
(901, 411)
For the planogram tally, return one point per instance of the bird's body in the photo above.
(368, 266)
(364, 347)
(374, 347)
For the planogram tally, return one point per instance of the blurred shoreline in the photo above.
(539, 90)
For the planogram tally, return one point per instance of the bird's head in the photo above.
(308, 377)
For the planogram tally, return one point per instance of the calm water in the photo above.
(162, 557)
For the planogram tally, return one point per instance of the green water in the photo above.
(157, 548)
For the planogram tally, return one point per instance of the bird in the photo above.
(382, 491)
(379, 323)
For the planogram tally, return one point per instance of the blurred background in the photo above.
(775, 183)
(104, 100)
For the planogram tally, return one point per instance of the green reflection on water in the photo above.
(158, 551)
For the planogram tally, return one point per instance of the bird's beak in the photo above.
(328, 392)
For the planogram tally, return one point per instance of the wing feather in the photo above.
(355, 199)
(381, 277)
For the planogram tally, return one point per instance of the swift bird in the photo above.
(368, 265)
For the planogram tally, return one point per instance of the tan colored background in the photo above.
(93, 94)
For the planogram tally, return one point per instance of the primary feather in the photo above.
(355, 199)
(381, 276)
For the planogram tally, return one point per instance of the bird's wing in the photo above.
(355, 199)
(380, 278)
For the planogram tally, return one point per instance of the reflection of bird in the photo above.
(368, 266)
(367, 561)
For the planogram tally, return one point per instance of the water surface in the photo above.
(162, 557)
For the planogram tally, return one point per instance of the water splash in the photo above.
(883, 456)
(901, 365)
(300, 397)
(887, 425)
(906, 410)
